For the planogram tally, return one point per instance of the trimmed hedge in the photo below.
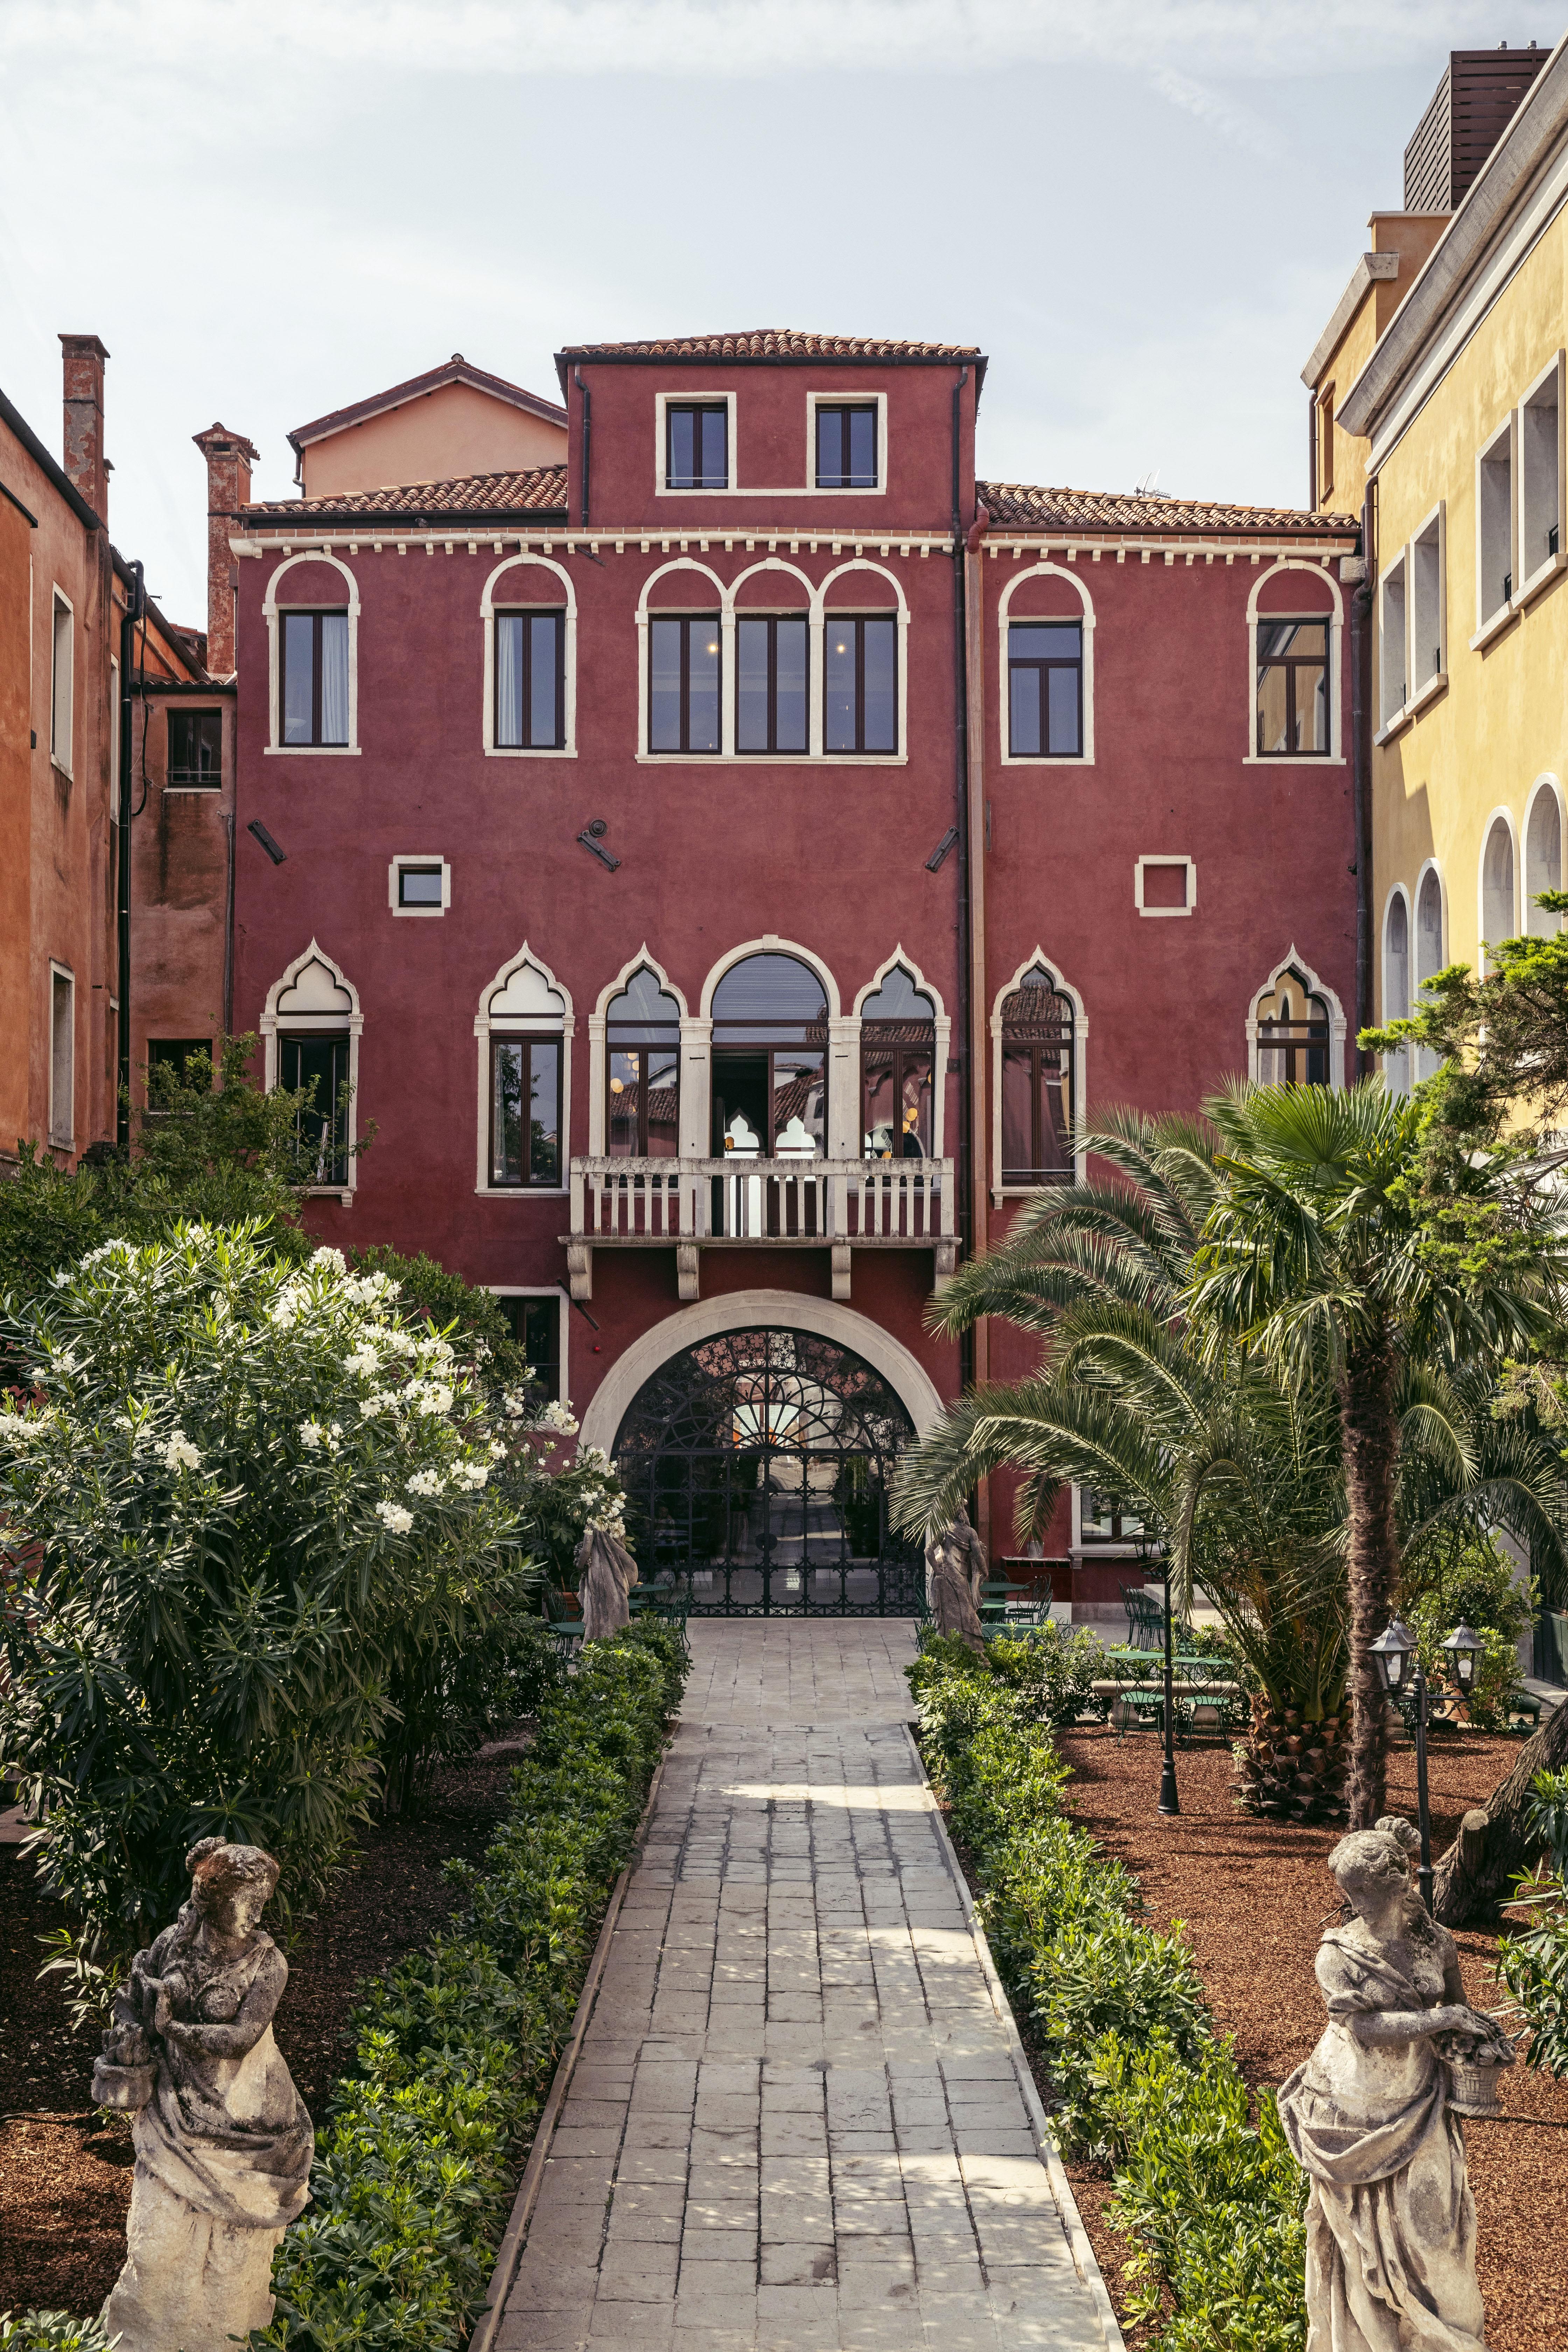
(1142, 2081)
(417, 2161)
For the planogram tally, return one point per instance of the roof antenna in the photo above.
(1149, 487)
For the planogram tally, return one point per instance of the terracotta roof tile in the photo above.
(769, 343)
(1023, 502)
(539, 489)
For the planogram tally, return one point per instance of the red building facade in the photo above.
(727, 867)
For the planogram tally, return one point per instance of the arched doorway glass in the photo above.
(756, 1464)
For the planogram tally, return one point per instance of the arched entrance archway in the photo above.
(756, 1464)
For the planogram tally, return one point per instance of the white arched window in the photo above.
(1038, 1031)
(1296, 1029)
(529, 615)
(313, 654)
(1543, 858)
(311, 1027)
(1430, 956)
(1295, 619)
(1047, 655)
(1499, 921)
(524, 1028)
(1396, 986)
(903, 1058)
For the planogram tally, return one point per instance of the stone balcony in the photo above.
(737, 1202)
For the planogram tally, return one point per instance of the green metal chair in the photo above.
(1145, 1618)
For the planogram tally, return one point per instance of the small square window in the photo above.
(847, 447)
(697, 447)
(418, 886)
(195, 751)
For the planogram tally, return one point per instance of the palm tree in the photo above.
(1315, 1254)
(1233, 1465)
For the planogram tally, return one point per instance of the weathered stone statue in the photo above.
(223, 2145)
(606, 1575)
(956, 1570)
(1374, 2118)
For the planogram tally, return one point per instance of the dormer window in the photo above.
(697, 447)
(847, 447)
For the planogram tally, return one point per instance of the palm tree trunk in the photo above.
(1371, 1450)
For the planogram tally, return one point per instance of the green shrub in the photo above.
(1471, 1583)
(1533, 1963)
(51, 2331)
(1054, 1664)
(1140, 2080)
(455, 2047)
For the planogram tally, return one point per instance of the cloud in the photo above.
(745, 40)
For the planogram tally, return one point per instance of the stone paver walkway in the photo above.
(797, 2122)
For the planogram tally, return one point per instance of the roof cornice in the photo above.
(457, 370)
(1370, 268)
(1496, 192)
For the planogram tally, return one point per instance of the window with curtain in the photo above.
(1293, 1034)
(1429, 954)
(1045, 690)
(683, 682)
(642, 1070)
(319, 1064)
(1542, 864)
(1497, 889)
(313, 677)
(525, 1110)
(1396, 988)
(769, 1059)
(860, 683)
(1038, 1041)
(773, 667)
(898, 1060)
(1293, 687)
(531, 681)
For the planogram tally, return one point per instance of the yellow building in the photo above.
(1439, 407)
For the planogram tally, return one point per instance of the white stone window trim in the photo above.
(62, 756)
(487, 610)
(1058, 980)
(564, 1318)
(62, 1142)
(1546, 572)
(1489, 623)
(848, 398)
(1396, 1078)
(1545, 783)
(1084, 759)
(1501, 814)
(598, 1025)
(1424, 1062)
(275, 747)
(942, 1026)
(1156, 858)
(409, 858)
(1296, 962)
(1334, 757)
(663, 401)
(696, 1052)
(534, 1025)
(324, 1020)
(817, 622)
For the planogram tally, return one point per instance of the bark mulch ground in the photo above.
(65, 2170)
(1254, 1897)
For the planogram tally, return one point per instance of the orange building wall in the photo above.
(179, 890)
(16, 821)
(439, 437)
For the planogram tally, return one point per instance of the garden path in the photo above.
(800, 2118)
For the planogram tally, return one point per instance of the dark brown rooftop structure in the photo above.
(1479, 94)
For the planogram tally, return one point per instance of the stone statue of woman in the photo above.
(606, 1575)
(223, 2145)
(956, 1570)
(1391, 2223)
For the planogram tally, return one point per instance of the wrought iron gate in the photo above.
(756, 1466)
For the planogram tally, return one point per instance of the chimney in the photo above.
(84, 458)
(230, 458)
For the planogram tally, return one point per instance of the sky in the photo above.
(1144, 211)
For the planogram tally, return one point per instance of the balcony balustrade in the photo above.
(840, 1205)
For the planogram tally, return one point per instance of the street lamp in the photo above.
(1170, 1802)
(1399, 1668)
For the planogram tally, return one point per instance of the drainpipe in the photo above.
(961, 787)
(1360, 776)
(587, 432)
(122, 878)
(1311, 451)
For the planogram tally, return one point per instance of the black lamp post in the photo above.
(1399, 1668)
(1170, 1801)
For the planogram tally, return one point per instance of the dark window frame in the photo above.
(674, 408)
(859, 748)
(1291, 664)
(684, 750)
(316, 615)
(332, 1176)
(771, 750)
(1022, 1038)
(733, 1048)
(640, 1047)
(188, 775)
(1308, 1039)
(897, 1040)
(527, 1038)
(523, 1308)
(842, 410)
(1041, 665)
(423, 867)
(556, 613)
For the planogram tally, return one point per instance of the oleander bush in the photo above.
(454, 2049)
(1140, 2079)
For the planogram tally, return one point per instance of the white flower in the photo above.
(471, 1474)
(429, 1396)
(311, 1434)
(379, 1402)
(559, 1416)
(593, 1457)
(362, 1360)
(330, 1257)
(394, 1518)
(178, 1454)
(424, 1482)
(497, 1450)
